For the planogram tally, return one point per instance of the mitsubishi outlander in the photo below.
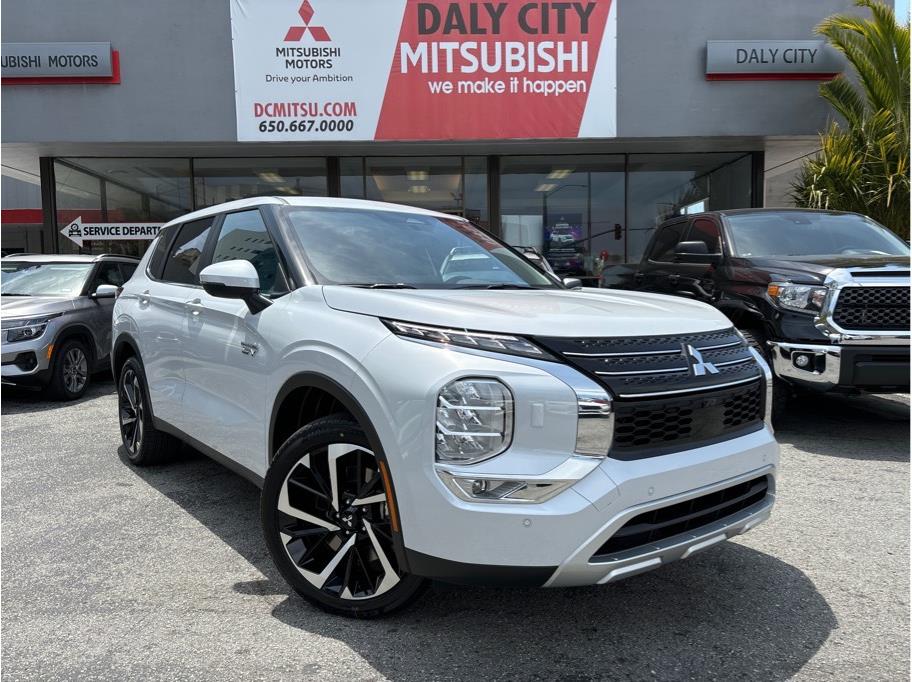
(409, 418)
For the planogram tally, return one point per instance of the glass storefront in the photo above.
(582, 212)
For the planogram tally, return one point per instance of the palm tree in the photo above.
(863, 165)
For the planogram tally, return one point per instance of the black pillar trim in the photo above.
(494, 194)
(758, 198)
(333, 176)
(49, 235)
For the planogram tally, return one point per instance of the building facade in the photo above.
(570, 127)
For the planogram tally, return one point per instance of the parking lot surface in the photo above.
(111, 572)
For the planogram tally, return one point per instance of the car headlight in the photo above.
(25, 330)
(498, 343)
(474, 420)
(801, 297)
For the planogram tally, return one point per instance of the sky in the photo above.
(902, 10)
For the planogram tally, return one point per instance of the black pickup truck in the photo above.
(823, 295)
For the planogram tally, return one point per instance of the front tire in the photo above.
(327, 523)
(70, 376)
(143, 443)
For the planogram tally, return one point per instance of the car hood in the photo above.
(589, 312)
(816, 268)
(34, 306)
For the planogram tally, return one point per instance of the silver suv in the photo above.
(410, 417)
(57, 318)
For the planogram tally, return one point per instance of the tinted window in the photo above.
(185, 257)
(244, 237)
(160, 250)
(127, 269)
(108, 273)
(667, 239)
(706, 231)
(806, 233)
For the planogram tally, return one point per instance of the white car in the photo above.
(406, 426)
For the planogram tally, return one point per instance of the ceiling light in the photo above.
(545, 187)
(419, 189)
(271, 177)
(559, 173)
(418, 175)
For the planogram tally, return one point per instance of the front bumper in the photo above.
(825, 367)
(26, 363)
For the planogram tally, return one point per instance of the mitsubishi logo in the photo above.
(297, 33)
(697, 365)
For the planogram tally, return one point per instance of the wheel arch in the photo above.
(124, 348)
(81, 332)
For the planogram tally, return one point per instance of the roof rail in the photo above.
(116, 255)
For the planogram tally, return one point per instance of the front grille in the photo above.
(662, 404)
(647, 428)
(873, 308)
(683, 517)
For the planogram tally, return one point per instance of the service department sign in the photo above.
(771, 60)
(56, 60)
(423, 69)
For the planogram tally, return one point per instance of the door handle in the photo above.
(195, 306)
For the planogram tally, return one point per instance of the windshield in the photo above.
(388, 248)
(800, 233)
(21, 278)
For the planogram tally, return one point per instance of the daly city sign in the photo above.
(771, 60)
(424, 69)
(78, 231)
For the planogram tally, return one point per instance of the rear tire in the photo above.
(70, 373)
(782, 392)
(327, 523)
(144, 444)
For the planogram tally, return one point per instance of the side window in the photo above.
(244, 237)
(185, 257)
(107, 273)
(666, 240)
(706, 231)
(127, 269)
(157, 261)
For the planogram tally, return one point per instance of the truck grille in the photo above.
(665, 399)
(873, 308)
(683, 517)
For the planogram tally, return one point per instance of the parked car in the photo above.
(57, 319)
(406, 427)
(823, 295)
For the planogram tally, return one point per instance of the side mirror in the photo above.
(696, 252)
(235, 279)
(573, 283)
(105, 291)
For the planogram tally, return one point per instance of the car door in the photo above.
(100, 310)
(696, 280)
(164, 328)
(227, 357)
(658, 271)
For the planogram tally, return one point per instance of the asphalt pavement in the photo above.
(110, 572)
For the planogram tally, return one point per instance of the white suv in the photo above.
(407, 420)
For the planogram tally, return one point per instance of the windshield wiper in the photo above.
(384, 285)
(499, 285)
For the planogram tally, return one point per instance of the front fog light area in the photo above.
(474, 420)
(502, 490)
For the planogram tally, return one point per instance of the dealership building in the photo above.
(572, 127)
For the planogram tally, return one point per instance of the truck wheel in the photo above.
(70, 375)
(781, 391)
(143, 443)
(327, 523)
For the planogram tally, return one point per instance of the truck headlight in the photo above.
(474, 420)
(801, 297)
(25, 330)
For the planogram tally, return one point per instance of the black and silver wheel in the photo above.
(143, 443)
(328, 523)
(70, 375)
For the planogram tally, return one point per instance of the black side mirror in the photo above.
(696, 252)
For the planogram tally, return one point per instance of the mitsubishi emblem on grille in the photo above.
(698, 366)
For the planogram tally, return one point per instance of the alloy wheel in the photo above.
(131, 411)
(75, 370)
(334, 522)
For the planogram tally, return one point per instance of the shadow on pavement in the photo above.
(731, 612)
(16, 400)
(879, 426)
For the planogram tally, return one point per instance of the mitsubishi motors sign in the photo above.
(430, 70)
